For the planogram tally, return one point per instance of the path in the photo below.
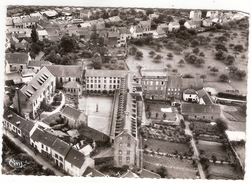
(38, 158)
(196, 152)
(46, 114)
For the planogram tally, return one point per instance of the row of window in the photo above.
(99, 86)
(127, 159)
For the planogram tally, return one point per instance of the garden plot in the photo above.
(213, 148)
(223, 171)
(176, 168)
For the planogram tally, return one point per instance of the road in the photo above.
(196, 152)
(37, 157)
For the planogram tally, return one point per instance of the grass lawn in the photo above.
(212, 148)
(176, 168)
(165, 146)
(223, 171)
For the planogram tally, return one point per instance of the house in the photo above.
(195, 14)
(42, 34)
(154, 82)
(103, 81)
(204, 97)
(173, 26)
(159, 33)
(207, 23)
(92, 172)
(37, 65)
(74, 117)
(153, 16)
(190, 24)
(200, 112)
(27, 100)
(144, 173)
(42, 141)
(190, 95)
(21, 127)
(146, 26)
(114, 19)
(59, 151)
(66, 73)
(174, 87)
(17, 61)
(72, 88)
(136, 31)
(85, 14)
(76, 162)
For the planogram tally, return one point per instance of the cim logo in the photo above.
(17, 164)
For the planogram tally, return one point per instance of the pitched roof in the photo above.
(75, 157)
(189, 91)
(92, 172)
(197, 108)
(17, 58)
(66, 70)
(70, 112)
(18, 121)
(144, 173)
(105, 73)
(61, 147)
(38, 84)
(43, 137)
(72, 84)
(130, 174)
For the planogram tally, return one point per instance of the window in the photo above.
(128, 152)
(120, 158)
(120, 152)
(127, 159)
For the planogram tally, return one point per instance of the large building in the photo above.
(103, 81)
(154, 84)
(28, 99)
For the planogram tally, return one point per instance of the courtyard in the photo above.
(99, 111)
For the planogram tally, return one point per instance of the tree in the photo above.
(229, 60)
(187, 76)
(170, 55)
(34, 36)
(158, 57)
(196, 50)
(203, 76)
(222, 124)
(152, 54)
(238, 47)
(181, 62)
(214, 69)
(162, 171)
(67, 44)
(132, 50)
(224, 77)
(232, 69)
(96, 61)
(240, 73)
(139, 55)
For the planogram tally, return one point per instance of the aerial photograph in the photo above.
(126, 92)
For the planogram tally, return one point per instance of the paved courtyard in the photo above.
(100, 120)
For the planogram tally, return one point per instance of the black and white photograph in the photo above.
(154, 91)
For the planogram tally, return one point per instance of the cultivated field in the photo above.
(212, 148)
(165, 146)
(176, 168)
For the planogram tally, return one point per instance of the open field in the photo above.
(212, 148)
(176, 168)
(223, 171)
(165, 146)
(100, 120)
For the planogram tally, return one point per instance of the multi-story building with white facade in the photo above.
(27, 100)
